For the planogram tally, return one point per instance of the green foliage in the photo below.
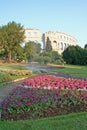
(20, 72)
(4, 77)
(75, 55)
(7, 75)
(40, 60)
(37, 48)
(11, 35)
(56, 58)
(31, 50)
(50, 57)
(43, 58)
(18, 54)
(85, 46)
(3, 54)
(48, 45)
(45, 54)
(47, 60)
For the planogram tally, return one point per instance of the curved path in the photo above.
(6, 88)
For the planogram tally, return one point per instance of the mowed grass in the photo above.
(80, 71)
(76, 121)
(12, 66)
(75, 70)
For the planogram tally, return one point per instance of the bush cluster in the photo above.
(20, 72)
(4, 76)
(75, 55)
(50, 57)
(7, 75)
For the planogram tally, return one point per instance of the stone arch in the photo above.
(65, 46)
(55, 42)
(58, 45)
(61, 45)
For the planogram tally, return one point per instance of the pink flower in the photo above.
(55, 82)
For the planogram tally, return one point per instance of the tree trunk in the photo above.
(9, 56)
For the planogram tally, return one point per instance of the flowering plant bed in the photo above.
(26, 102)
(54, 82)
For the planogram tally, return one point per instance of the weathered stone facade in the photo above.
(59, 40)
(32, 35)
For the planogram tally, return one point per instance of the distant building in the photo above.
(59, 40)
(32, 35)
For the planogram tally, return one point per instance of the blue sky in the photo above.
(68, 16)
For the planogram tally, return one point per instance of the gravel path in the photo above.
(5, 89)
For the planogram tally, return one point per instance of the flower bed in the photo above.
(54, 82)
(30, 101)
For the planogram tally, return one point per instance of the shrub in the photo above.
(4, 77)
(20, 72)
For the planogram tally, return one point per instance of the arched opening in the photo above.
(64, 46)
(61, 46)
(55, 43)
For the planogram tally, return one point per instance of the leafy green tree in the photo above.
(51, 57)
(11, 35)
(49, 54)
(56, 58)
(84, 58)
(32, 50)
(29, 50)
(37, 48)
(19, 54)
(44, 58)
(39, 59)
(85, 46)
(48, 45)
(74, 55)
(47, 60)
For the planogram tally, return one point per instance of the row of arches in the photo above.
(60, 45)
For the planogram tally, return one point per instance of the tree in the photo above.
(48, 45)
(11, 35)
(19, 54)
(56, 58)
(29, 50)
(85, 46)
(32, 50)
(74, 55)
(37, 47)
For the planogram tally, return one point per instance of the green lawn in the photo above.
(12, 66)
(66, 122)
(75, 70)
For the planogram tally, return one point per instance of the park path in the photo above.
(6, 88)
